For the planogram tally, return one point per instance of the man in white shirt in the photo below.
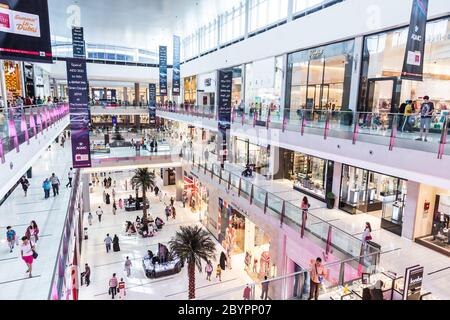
(99, 213)
(70, 176)
(108, 242)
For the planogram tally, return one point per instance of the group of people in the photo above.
(146, 229)
(409, 114)
(27, 247)
(36, 101)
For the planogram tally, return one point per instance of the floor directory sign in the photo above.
(176, 67)
(152, 104)
(224, 113)
(78, 43)
(415, 46)
(79, 112)
(162, 71)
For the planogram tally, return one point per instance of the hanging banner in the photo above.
(79, 49)
(162, 71)
(415, 46)
(176, 81)
(225, 82)
(79, 112)
(152, 104)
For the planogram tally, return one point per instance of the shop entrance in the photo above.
(381, 95)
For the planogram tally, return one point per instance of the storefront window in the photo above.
(263, 81)
(247, 153)
(309, 173)
(382, 90)
(190, 90)
(320, 78)
(363, 191)
(13, 80)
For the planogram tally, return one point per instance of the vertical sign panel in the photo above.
(79, 112)
(162, 71)
(224, 113)
(78, 44)
(152, 104)
(415, 46)
(176, 66)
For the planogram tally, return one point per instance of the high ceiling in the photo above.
(141, 24)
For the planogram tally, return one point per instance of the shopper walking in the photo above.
(426, 113)
(70, 177)
(172, 201)
(46, 185)
(99, 213)
(265, 289)
(90, 218)
(54, 180)
(305, 207)
(27, 253)
(108, 240)
(120, 204)
(128, 265)
(209, 270)
(25, 184)
(114, 208)
(113, 286)
(87, 274)
(32, 232)
(121, 289)
(11, 238)
(247, 293)
(317, 275)
(219, 272)
(116, 246)
(367, 234)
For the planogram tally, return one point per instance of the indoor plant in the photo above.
(331, 200)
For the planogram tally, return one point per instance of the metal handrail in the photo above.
(70, 210)
(328, 265)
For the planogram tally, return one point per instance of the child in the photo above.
(219, 272)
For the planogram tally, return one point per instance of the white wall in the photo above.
(344, 20)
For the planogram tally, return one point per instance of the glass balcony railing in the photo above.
(18, 125)
(287, 213)
(383, 128)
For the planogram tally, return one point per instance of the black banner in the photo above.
(79, 112)
(162, 71)
(25, 30)
(79, 50)
(152, 104)
(176, 81)
(225, 82)
(415, 46)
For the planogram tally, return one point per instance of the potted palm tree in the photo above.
(331, 200)
(143, 179)
(192, 245)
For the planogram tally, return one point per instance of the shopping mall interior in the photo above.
(224, 150)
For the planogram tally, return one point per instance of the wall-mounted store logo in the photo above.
(316, 53)
(19, 23)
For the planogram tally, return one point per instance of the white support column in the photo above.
(219, 27)
(3, 86)
(337, 175)
(356, 73)
(410, 210)
(247, 18)
(22, 78)
(85, 180)
(290, 14)
(283, 84)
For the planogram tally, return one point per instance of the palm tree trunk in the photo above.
(144, 204)
(191, 275)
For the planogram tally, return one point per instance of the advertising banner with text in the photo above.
(79, 50)
(162, 71)
(25, 30)
(152, 104)
(176, 82)
(79, 112)
(225, 82)
(415, 46)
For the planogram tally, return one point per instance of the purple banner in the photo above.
(13, 131)
(33, 123)
(24, 128)
(79, 112)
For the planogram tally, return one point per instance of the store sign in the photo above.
(152, 104)
(79, 112)
(316, 54)
(162, 71)
(78, 43)
(413, 283)
(224, 110)
(25, 31)
(415, 46)
(176, 82)
(208, 82)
